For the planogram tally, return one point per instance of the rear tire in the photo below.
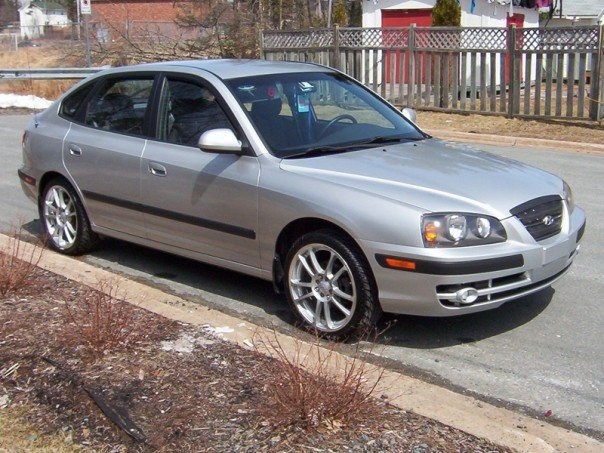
(65, 225)
(329, 286)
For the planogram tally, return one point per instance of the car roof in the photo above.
(230, 68)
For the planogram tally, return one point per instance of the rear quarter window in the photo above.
(72, 103)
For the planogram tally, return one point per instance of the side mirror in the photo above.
(221, 141)
(410, 114)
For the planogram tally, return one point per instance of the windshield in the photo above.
(312, 113)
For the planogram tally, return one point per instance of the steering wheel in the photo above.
(337, 119)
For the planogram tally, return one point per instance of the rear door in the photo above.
(102, 152)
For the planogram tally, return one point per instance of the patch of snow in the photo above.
(225, 329)
(185, 343)
(23, 101)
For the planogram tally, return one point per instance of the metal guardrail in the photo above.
(48, 73)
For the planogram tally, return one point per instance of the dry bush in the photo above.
(314, 386)
(101, 318)
(47, 89)
(18, 261)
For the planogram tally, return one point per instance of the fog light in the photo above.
(466, 296)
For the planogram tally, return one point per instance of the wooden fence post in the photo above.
(410, 67)
(261, 44)
(512, 78)
(336, 48)
(596, 95)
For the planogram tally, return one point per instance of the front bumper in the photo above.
(492, 274)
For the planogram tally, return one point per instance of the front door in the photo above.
(198, 201)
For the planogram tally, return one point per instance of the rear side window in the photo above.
(120, 105)
(71, 103)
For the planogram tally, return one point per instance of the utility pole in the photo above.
(78, 21)
(86, 10)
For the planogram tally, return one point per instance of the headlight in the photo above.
(568, 197)
(461, 230)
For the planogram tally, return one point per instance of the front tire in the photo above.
(64, 221)
(330, 287)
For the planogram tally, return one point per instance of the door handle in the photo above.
(157, 169)
(75, 150)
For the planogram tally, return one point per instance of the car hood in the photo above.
(433, 175)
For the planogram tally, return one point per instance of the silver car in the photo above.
(297, 174)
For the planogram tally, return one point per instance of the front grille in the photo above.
(542, 217)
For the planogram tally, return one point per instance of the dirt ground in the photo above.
(585, 132)
(169, 387)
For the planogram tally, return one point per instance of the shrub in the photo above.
(101, 320)
(314, 386)
(446, 13)
(18, 261)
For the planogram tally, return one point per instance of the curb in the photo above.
(504, 140)
(499, 425)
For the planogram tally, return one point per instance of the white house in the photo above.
(576, 13)
(37, 14)
(474, 13)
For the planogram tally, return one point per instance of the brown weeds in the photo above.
(314, 386)
(47, 89)
(101, 320)
(18, 261)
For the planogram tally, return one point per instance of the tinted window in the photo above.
(71, 104)
(120, 105)
(187, 110)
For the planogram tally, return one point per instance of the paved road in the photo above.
(542, 352)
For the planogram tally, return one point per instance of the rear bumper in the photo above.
(28, 185)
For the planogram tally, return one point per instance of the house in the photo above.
(36, 15)
(569, 13)
(474, 13)
(113, 20)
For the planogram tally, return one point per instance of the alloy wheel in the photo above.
(322, 287)
(60, 217)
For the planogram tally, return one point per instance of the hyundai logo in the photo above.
(548, 220)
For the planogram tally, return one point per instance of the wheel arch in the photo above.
(49, 176)
(294, 230)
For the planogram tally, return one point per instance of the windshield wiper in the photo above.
(332, 149)
(321, 150)
(381, 139)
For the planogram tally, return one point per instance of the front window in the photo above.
(187, 109)
(304, 113)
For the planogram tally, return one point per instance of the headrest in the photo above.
(269, 108)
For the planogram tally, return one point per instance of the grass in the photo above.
(17, 435)
(37, 57)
